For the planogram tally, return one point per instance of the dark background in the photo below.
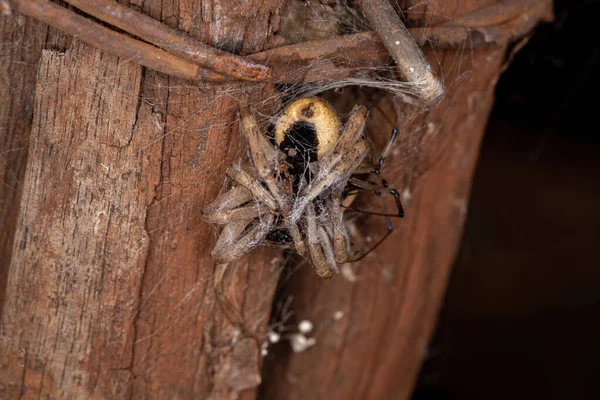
(521, 310)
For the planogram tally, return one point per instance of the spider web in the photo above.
(379, 91)
(378, 88)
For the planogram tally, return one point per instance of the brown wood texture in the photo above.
(109, 291)
(22, 43)
(391, 299)
(106, 279)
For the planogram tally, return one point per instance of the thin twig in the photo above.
(309, 62)
(409, 58)
(113, 42)
(349, 55)
(172, 40)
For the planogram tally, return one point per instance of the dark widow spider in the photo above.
(294, 191)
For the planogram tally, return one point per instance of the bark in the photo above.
(106, 283)
(391, 299)
(109, 291)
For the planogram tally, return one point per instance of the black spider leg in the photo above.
(383, 187)
(390, 229)
(388, 147)
(363, 185)
(388, 221)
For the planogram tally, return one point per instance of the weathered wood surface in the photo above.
(109, 291)
(392, 298)
(22, 41)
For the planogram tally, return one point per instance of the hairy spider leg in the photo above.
(342, 167)
(341, 242)
(219, 211)
(231, 209)
(263, 155)
(242, 177)
(239, 237)
(319, 245)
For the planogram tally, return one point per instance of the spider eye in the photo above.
(310, 124)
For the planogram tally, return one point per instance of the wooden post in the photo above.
(105, 275)
(373, 326)
(109, 291)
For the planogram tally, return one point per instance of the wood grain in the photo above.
(22, 43)
(109, 283)
(109, 291)
(391, 299)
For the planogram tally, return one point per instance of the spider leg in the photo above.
(236, 173)
(386, 151)
(335, 170)
(230, 199)
(298, 240)
(236, 239)
(248, 212)
(366, 168)
(390, 229)
(377, 189)
(230, 311)
(233, 313)
(260, 145)
(264, 156)
(319, 246)
(341, 243)
(353, 129)
(226, 207)
(328, 250)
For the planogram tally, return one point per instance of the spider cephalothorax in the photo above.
(291, 193)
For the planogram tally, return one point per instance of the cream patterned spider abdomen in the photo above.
(292, 191)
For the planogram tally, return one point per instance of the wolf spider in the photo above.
(293, 193)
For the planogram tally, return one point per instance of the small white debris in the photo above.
(411, 69)
(397, 42)
(387, 274)
(235, 335)
(369, 239)
(305, 326)
(273, 337)
(461, 204)
(406, 195)
(338, 315)
(265, 349)
(431, 128)
(347, 272)
(300, 342)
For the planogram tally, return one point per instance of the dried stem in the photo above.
(172, 40)
(309, 62)
(409, 58)
(116, 43)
